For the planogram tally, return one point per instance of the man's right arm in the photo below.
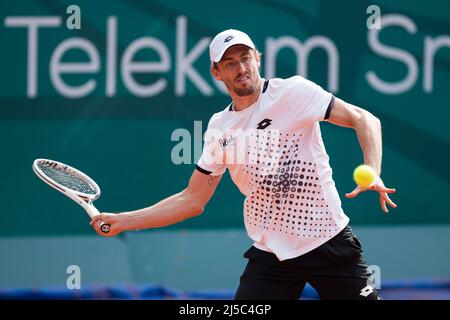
(181, 206)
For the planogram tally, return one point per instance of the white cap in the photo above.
(226, 39)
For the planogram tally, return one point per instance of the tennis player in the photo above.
(269, 140)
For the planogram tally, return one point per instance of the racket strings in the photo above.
(67, 178)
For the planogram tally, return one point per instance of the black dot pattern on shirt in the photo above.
(286, 195)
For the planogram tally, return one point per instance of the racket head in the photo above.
(66, 179)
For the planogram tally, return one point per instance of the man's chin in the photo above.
(244, 91)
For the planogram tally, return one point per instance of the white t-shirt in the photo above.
(274, 153)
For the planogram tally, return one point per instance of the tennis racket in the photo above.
(71, 182)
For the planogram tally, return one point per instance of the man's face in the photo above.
(238, 70)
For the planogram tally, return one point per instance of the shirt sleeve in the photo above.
(311, 102)
(211, 161)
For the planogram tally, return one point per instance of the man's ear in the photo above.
(258, 58)
(216, 73)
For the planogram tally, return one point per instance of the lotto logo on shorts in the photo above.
(366, 291)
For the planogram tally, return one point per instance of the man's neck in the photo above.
(241, 103)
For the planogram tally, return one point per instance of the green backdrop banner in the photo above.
(114, 88)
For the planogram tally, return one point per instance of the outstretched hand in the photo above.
(379, 187)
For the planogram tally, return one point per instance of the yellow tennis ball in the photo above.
(364, 176)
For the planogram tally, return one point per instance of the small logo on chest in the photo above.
(264, 124)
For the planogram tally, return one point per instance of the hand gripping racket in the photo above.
(71, 182)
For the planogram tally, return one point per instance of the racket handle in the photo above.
(92, 212)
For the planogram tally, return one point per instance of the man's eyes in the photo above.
(231, 64)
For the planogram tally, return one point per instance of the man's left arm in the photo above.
(368, 130)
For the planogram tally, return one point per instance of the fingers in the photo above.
(96, 218)
(385, 198)
(383, 204)
(97, 227)
(388, 200)
(384, 189)
(102, 217)
(378, 186)
(97, 223)
(354, 193)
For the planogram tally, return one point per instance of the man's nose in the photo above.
(241, 67)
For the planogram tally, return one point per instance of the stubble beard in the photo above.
(244, 92)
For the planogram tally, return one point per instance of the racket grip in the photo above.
(92, 211)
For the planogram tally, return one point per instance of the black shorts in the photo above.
(336, 269)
